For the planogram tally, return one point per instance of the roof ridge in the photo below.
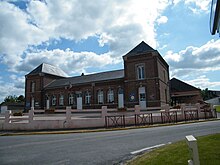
(142, 47)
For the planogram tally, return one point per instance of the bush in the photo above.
(122, 109)
(17, 114)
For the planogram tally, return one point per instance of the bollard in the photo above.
(183, 108)
(193, 150)
(137, 109)
(31, 114)
(68, 113)
(104, 111)
(198, 107)
(7, 116)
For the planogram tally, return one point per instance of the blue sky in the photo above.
(92, 36)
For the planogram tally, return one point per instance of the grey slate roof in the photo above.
(48, 69)
(97, 77)
(180, 86)
(140, 48)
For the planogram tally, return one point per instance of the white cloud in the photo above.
(118, 26)
(200, 5)
(7, 89)
(203, 82)
(195, 59)
(196, 6)
(162, 20)
(71, 62)
(16, 33)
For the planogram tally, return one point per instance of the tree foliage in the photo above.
(14, 99)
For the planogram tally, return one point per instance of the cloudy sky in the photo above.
(92, 36)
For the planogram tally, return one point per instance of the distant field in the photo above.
(178, 153)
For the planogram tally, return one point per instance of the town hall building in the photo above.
(144, 81)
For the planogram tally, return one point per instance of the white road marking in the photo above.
(148, 148)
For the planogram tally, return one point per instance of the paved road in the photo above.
(93, 148)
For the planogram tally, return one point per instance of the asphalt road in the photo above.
(93, 148)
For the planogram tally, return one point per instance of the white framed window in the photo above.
(54, 100)
(71, 99)
(87, 97)
(100, 97)
(110, 96)
(140, 72)
(61, 99)
(142, 97)
(32, 86)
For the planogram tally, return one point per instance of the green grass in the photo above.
(218, 108)
(178, 153)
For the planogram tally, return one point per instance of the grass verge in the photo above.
(178, 153)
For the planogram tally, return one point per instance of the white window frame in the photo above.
(100, 97)
(61, 99)
(87, 98)
(110, 96)
(140, 72)
(71, 99)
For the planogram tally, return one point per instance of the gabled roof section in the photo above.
(97, 77)
(139, 49)
(48, 69)
(180, 86)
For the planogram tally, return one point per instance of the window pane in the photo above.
(140, 72)
(110, 96)
(61, 99)
(100, 97)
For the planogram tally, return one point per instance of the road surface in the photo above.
(94, 148)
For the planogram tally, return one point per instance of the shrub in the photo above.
(122, 109)
(17, 114)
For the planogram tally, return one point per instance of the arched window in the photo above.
(61, 99)
(140, 72)
(87, 97)
(110, 96)
(100, 97)
(54, 100)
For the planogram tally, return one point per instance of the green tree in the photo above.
(14, 99)
(10, 99)
(20, 98)
(204, 93)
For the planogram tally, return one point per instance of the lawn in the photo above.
(178, 153)
(218, 108)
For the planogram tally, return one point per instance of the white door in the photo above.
(79, 102)
(32, 102)
(48, 104)
(142, 97)
(120, 98)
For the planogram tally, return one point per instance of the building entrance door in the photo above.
(79, 101)
(120, 98)
(142, 97)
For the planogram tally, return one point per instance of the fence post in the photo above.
(183, 108)
(68, 113)
(104, 111)
(7, 116)
(193, 150)
(137, 109)
(31, 114)
(199, 110)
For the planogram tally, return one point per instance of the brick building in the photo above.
(144, 80)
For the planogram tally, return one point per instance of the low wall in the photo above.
(104, 119)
